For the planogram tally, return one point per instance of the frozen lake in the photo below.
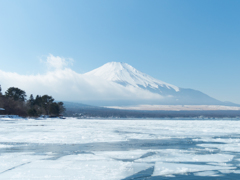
(119, 149)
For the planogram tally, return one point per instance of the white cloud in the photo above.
(66, 85)
(56, 62)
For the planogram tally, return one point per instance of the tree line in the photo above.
(14, 101)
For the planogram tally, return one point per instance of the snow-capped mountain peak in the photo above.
(124, 74)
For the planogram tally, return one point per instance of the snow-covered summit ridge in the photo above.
(125, 74)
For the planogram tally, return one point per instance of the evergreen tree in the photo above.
(31, 101)
(14, 103)
(61, 107)
(38, 100)
(54, 109)
(46, 102)
(32, 112)
(1, 98)
(16, 94)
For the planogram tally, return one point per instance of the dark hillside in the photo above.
(86, 111)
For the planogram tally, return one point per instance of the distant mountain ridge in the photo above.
(129, 77)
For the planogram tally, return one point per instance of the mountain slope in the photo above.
(124, 74)
(129, 77)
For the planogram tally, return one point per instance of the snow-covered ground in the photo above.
(119, 149)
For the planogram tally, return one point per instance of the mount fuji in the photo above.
(130, 78)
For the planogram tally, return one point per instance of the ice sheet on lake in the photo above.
(117, 149)
(163, 169)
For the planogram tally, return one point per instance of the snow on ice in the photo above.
(118, 149)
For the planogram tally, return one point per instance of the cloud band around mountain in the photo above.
(67, 85)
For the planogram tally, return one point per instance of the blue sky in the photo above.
(191, 44)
